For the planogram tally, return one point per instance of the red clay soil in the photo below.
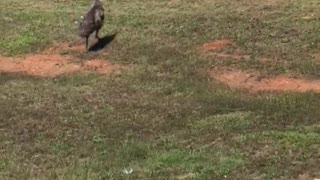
(101, 66)
(215, 45)
(252, 82)
(316, 57)
(39, 65)
(50, 63)
(63, 47)
(211, 47)
(236, 56)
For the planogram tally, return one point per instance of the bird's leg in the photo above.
(86, 43)
(97, 34)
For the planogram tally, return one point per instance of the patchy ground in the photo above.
(215, 45)
(253, 80)
(163, 119)
(55, 61)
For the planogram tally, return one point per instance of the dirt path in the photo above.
(252, 80)
(51, 63)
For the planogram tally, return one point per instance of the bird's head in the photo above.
(97, 3)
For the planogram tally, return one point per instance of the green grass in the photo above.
(162, 117)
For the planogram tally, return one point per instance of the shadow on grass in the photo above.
(103, 42)
(10, 76)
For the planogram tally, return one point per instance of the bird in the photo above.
(92, 21)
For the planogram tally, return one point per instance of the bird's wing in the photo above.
(86, 27)
(99, 16)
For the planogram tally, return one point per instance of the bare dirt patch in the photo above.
(51, 63)
(39, 65)
(253, 81)
(101, 66)
(316, 57)
(236, 56)
(65, 47)
(215, 45)
(239, 57)
(212, 49)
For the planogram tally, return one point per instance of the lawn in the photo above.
(163, 116)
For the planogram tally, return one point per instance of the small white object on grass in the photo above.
(126, 171)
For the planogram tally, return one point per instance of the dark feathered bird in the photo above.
(92, 21)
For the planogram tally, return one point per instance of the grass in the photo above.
(162, 117)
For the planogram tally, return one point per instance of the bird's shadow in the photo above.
(102, 42)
